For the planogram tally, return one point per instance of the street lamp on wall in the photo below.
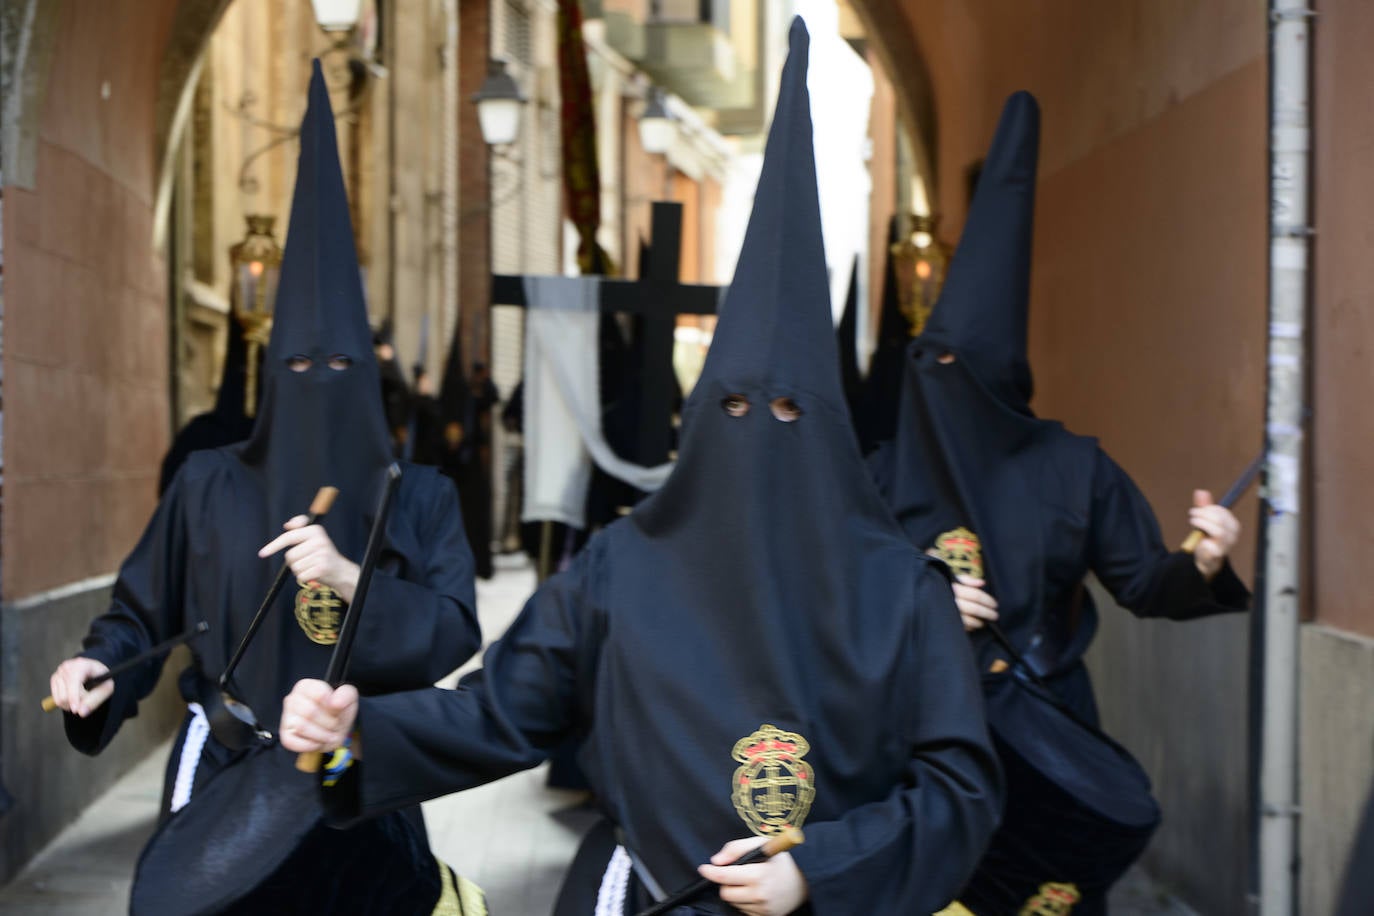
(657, 131)
(337, 15)
(499, 102)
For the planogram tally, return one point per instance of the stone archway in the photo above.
(192, 26)
(29, 34)
(896, 45)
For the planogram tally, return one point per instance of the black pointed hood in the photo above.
(776, 326)
(968, 452)
(775, 339)
(982, 311)
(455, 397)
(876, 417)
(227, 423)
(766, 557)
(230, 401)
(847, 338)
(322, 426)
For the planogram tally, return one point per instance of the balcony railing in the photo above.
(715, 13)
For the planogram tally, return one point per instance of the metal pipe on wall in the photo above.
(1289, 244)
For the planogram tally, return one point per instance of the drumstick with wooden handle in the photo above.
(319, 508)
(310, 761)
(1232, 495)
(791, 836)
(162, 648)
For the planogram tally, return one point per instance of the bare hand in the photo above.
(68, 686)
(769, 888)
(1222, 530)
(316, 717)
(976, 606)
(313, 557)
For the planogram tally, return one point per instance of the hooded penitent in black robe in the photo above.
(449, 435)
(973, 470)
(227, 423)
(198, 558)
(761, 615)
(1048, 506)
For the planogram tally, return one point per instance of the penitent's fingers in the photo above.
(57, 686)
(976, 596)
(732, 850)
(96, 697)
(289, 539)
(1208, 525)
(974, 610)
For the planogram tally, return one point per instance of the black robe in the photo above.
(576, 664)
(1091, 518)
(756, 645)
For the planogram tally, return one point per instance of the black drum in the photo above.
(253, 840)
(1079, 807)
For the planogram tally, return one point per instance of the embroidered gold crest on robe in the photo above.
(962, 552)
(1054, 899)
(773, 787)
(319, 611)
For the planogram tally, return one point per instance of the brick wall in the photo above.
(86, 389)
(85, 347)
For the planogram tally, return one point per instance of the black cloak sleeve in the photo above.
(1126, 552)
(146, 608)
(420, 628)
(913, 851)
(502, 718)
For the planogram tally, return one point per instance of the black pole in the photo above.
(338, 662)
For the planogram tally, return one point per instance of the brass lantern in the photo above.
(920, 260)
(257, 267)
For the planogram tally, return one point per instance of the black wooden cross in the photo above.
(657, 298)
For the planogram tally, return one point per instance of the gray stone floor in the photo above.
(513, 837)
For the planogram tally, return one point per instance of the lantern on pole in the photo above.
(921, 260)
(257, 267)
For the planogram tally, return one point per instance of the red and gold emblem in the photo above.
(1054, 899)
(319, 611)
(962, 552)
(774, 786)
